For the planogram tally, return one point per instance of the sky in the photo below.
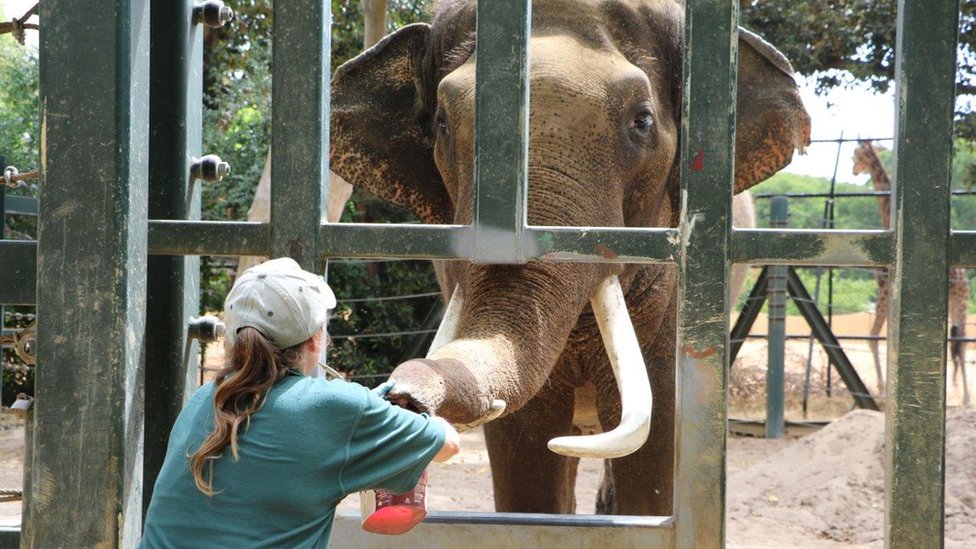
(854, 113)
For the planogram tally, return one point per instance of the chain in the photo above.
(15, 180)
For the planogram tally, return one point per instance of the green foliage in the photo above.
(19, 125)
(19, 142)
(238, 127)
(839, 40)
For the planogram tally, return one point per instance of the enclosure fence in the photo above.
(108, 120)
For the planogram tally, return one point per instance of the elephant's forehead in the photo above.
(583, 32)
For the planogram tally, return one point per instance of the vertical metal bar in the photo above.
(501, 143)
(176, 104)
(707, 154)
(3, 229)
(26, 509)
(915, 436)
(87, 452)
(776, 349)
(300, 128)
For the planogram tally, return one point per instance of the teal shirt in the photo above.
(311, 444)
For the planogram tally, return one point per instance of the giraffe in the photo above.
(866, 161)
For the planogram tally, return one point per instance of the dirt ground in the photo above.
(824, 490)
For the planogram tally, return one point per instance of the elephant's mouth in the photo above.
(623, 350)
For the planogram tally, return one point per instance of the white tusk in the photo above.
(447, 331)
(631, 374)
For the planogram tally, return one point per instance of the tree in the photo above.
(841, 42)
(238, 114)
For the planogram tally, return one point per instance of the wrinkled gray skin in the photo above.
(604, 134)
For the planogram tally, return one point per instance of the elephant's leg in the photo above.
(526, 475)
(605, 494)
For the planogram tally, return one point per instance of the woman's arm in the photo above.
(452, 441)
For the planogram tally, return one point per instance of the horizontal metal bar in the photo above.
(478, 530)
(21, 205)
(541, 519)
(572, 244)
(9, 537)
(172, 237)
(602, 245)
(962, 249)
(812, 247)
(395, 240)
(958, 192)
(18, 271)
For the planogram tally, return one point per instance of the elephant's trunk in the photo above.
(505, 345)
(452, 380)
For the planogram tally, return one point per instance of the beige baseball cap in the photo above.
(286, 304)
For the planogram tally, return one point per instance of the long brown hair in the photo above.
(255, 365)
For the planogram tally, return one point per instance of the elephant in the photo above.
(604, 129)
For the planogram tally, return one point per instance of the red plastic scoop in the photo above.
(387, 513)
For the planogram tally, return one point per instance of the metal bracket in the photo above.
(212, 13)
(205, 328)
(209, 168)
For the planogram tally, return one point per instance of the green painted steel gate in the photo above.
(114, 244)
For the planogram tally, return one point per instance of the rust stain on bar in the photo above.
(604, 251)
(698, 355)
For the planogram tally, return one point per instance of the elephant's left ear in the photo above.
(770, 121)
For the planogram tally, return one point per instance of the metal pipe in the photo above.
(776, 349)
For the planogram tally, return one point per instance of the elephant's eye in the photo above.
(441, 123)
(643, 121)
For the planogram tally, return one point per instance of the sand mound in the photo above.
(830, 485)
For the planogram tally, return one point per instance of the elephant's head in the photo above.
(604, 133)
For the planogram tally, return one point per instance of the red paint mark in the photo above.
(604, 251)
(698, 163)
(698, 355)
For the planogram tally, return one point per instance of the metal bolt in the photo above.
(25, 344)
(209, 168)
(212, 13)
(206, 328)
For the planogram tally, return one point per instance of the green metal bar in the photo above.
(708, 128)
(18, 271)
(9, 537)
(91, 284)
(501, 141)
(175, 117)
(925, 69)
(300, 128)
(396, 240)
(776, 347)
(812, 247)
(209, 238)
(591, 245)
(962, 249)
(21, 205)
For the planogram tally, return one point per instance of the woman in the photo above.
(261, 456)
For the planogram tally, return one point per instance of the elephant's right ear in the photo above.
(381, 139)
